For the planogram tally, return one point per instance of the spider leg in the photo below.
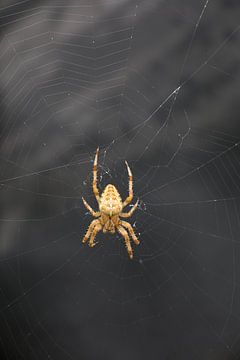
(129, 213)
(95, 188)
(124, 233)
(130, 186)
(96, 229)
(131, 231)
(94, 213)
(90, 230)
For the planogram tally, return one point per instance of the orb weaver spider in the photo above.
(110, 211)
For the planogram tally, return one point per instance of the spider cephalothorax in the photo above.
(110, 211)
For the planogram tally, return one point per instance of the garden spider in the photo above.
(110, 211)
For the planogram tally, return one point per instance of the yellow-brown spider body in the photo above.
(110, 201)
(110, 211)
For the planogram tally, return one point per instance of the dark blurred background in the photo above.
(153, 82)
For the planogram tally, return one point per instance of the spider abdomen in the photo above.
(110, 202)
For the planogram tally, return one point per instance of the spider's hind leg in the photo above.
(95, 188)
(130, 186)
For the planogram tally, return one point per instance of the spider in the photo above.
(110, 211)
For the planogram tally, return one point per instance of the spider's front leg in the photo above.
(131, 231)
(124, 233)
(90, 230)
(96, 229)
(130, 212)
(94, 213)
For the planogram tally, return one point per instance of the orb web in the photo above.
(151, 82)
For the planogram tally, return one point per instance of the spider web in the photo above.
(153, 82)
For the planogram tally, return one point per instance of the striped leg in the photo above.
(131, 231)
(129, 213)
(95, 188)
(130, 186)
(90, 230)
(94, 213)
(97, 228)
(124, 233)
